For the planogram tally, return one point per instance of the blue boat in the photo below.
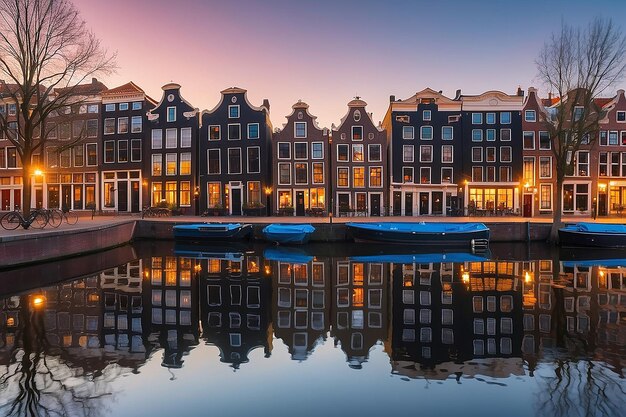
(435, 233)
(290, 234)
(212, 231)
(228, 251)
(602, 235)
(287, 255)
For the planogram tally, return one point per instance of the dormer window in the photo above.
(233, 112)
(426, 115)
(300, 129)
(621, 116)
(530, 116)
(171, 114)
(578, 113)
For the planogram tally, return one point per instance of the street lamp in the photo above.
(268, 193)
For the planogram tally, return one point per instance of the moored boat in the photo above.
(435, 233)
(212, 231)
(603, 235)
(293, 234)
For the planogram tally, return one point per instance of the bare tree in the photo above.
(578, 65)
(46, 51)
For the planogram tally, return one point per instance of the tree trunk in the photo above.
(27, 187)
(557, 213)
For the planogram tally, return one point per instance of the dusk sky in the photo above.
(327, 52)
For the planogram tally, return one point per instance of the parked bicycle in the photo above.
(155, 212)
(14, 219)
(57, 216)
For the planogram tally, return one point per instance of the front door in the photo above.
(397, 203)
(343, 202)
(122, 196)
(299, 203)
(66, 196)
(408, 204)
(134, 196)
(39, 197)
(236, 201)
(424, 202)
(528, 205)
(374, 204)
(602, 204)
(6, 200)
(17, 199)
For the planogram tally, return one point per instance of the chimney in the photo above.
(440, 91)
(458, 94)
(266, 104)
(520, 92)
(392, 99)
(94, 80)
(550, 96)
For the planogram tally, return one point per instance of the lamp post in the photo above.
(268, 193)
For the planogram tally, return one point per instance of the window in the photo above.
(157, 138)
(135, 150)
(122, 151)
(490, 154)
(447, 133)
(358, 177)
(505, 154)
(477, 118)
(317, 150)
(284, 173)
(491, 118)
(284, 150)
(529, 140)
(318, 173)
(254, 162)
(92, 154)
(530, 116)
(545, 197)
(545, 167)
(477, 154)
(544, 141)
(446, 175)
(505, 173)
(613, 138)
(185, 163)
(373, 153)
(376, 177)
(477, 135)
(505, 135)
(407, 174)
(123, 106)
(135, 124)
(357, 132)
(505, 118)
(447, 153)
(171, 138)
(343, 152)
(109, 126)
(109, 107)
(578, 112)
(621, 116)
(92, 128)
(171, 114)
(477, 174)
(215, 194)
(253, 130)
(582, 164)
(408, 132)
(407, 153)
(215, 132)
(233, 112)
(491, 135)
(79, 155)
(342, 177)
(214, 161)
(77, 128)
(426, 133)
(299, 129)
(92, 108)
(234, 132)
(109, 151)
(122, 125)
(426, 153)
(254, 194)
(157, 165)
(300, 150)
(234, 161)
(171, 163)
(302, 173)
(425, 175)
(357, 153)
(137, 105)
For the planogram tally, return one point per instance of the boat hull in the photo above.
(592, 239)
(413, 237)
(212, 232)
(288, 234)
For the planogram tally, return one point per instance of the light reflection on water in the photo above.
(236, 330)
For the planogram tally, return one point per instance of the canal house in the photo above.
(235, 155)
(358, 161)
(301, 171)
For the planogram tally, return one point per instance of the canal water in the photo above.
(160, 329)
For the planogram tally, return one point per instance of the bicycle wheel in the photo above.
(40, 220)
(11, 221)
(54, 218)
(71, 217)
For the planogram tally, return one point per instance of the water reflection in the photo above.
(561, 323)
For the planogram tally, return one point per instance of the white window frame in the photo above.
(549, 164)
(502, 122)
(167, 156)
(295, 130)
(404, 159)
(481, 135)
(180, 163)
(431, 153)
(477, 118)
(427, 115)
(408, 132)
(240, 162)
(258, 130)
(443, 128)
(524, 133)
(451, 154)
(550, 200)
(132, 120)
(278, 151)
(347, 169)
(160, 138)
(234, 107)
(219, 161)
(112, 161)
(490, 114)
(313, 151)
(480, 148)
(451, 169)
(167, 144)
(278, 173)
(248, 159)
(510, 154)
(152, 161)
(182, 144)
(530, 116)
(412, 170)
(167, 114)
(234, 124)
(370, 146)
(108, 120)
(306, 151)
(422, 128)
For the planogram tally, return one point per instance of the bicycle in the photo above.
(58, 215)
(155, 212)
(14, 219)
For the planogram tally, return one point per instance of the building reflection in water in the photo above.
(551, 320)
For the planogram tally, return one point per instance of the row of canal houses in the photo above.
(120, 150)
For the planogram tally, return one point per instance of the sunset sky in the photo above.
(326, 52)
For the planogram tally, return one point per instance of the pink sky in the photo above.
(327, 52)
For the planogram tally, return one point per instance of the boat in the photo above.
(434, 233)
(227, 251)
(212, 231)
(601, 235)
(287, 255)
(293, 234)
